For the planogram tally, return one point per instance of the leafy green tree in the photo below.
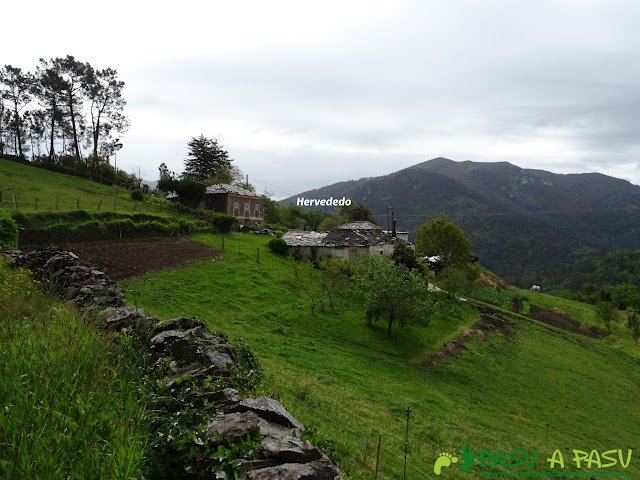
(226, 174)
(403, 254)
(189, 190)
(391, 293)
(205, 158)
(16, 89)
(308, 278)
(330, 223)
(320, 281)
(271, 211)
(334, 275)
(606, 313)
(625, 295)
(292, 216)
(165, 173)
(360, 212)
(314, 218)
(75, 76)
(223, 222)
(103, 90)
(442, 237)
(460, 280)
(633, 323)
(346, 214)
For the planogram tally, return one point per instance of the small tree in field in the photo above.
(320, 282)
(442, 237)
(391, 293)
(403, 254)
(633, 323)
(309, 279)
(606, 313)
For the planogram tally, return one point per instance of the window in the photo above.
(339, 252)
(236, 208)
(381, 251)
(246, 208)
(257, 210)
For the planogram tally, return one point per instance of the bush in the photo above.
(223, 222)
(137, 195)
(8, 230)
(278, 245)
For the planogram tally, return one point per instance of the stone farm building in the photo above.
(246, 206)
(347, 241)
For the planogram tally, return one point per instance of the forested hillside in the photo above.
(529, 226)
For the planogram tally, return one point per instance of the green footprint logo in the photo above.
(444, 460)
(467, 456)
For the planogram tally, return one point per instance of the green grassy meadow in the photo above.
(534, 387)
(59, 192)
(70, 404)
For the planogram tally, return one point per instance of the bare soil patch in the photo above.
(564, 322)
(488, 323)
(486, 281)
(130, 258)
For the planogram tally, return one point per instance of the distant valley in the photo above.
(526, 225)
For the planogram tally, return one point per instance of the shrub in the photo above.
(278, 245)
(137, 195)
(8, 230)
(223, 222)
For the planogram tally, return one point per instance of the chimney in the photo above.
(393, 233)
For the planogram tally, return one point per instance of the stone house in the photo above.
(347, 241)
(246, 206)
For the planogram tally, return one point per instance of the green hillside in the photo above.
(34, 190)
(513, 384)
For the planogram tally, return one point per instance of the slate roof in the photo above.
(226, 188)
(344, 236)
(356, 238)
(360, 225)
(298, 238)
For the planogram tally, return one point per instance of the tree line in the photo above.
(65, 108)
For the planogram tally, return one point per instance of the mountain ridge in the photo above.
(510, 213)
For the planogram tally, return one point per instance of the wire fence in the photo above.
(115, 203)
(391, 463)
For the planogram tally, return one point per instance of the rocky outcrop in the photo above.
(184, 351)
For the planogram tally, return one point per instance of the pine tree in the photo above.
(205, 158)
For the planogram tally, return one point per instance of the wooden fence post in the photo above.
(378, 455)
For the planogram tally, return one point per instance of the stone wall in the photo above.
(199, 356)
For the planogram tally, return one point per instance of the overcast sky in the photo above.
(307, 93)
